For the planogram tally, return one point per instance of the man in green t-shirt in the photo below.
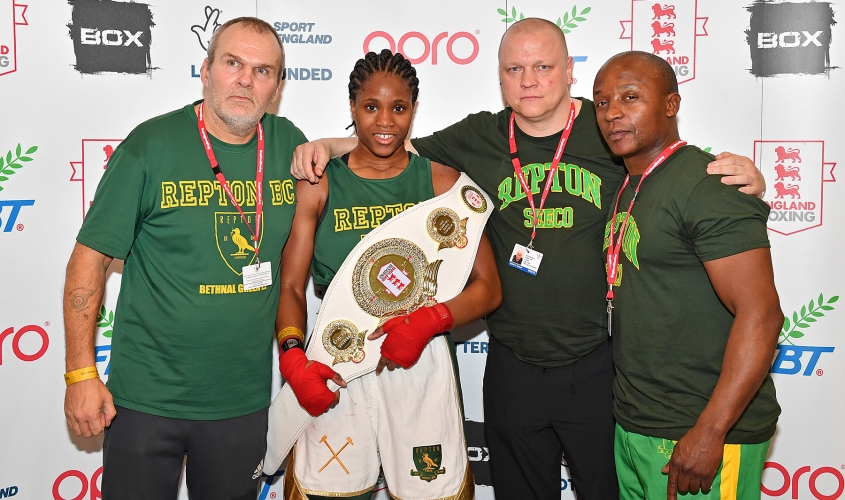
(696, 315)
(549, 374)
(192, 201)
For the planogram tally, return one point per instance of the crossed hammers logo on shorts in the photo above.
(335, 454)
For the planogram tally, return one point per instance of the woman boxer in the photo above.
(382, 418)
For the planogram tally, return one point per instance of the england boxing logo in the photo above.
(795, 172)
(668, 30)
(89, 171)
(10, 19)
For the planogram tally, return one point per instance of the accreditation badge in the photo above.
(525, 259)
(256, 276)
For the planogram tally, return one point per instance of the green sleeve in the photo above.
(447, 146)
(721, 221)
(121, 202)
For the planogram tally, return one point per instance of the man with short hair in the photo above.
(192, 200)
(696, 315)
(549, 374)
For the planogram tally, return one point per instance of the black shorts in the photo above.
(143, 456)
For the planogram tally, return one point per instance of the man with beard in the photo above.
(549, 374)
(199, 203)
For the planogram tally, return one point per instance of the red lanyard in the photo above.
(521, 176)
(259, 177)
(613, 251)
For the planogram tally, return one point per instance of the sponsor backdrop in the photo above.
(759, 79)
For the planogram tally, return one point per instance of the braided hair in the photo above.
(383, 62)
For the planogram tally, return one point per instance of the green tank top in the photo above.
(356, 205)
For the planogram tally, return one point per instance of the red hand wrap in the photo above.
(407, 336)
(308, 384)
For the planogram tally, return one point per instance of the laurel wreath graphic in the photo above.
(8, 165)
(808, 315)
(569, 22)
(105, 321)
(566, 23)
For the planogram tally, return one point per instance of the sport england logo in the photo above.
(111, 36)
(10, 165)
(10, 19)
(89, 171)
(667, 30)
(461, 47)
(790, 355)
(795, 172)
(790, 38)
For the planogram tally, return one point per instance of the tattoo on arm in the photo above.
(79, 299)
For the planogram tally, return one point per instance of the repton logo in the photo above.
(10, 19)
(234, 239)
(790, 38)
(795, 172)
(111, 36)
(89, 171)
(667, 30)
(427, 460)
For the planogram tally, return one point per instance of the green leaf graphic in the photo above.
(8, 164)
(586, 10)
(107, 334)
(502, 12)
(808, 315)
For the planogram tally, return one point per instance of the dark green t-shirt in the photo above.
(669, 327)
(356, 205)
(558, 316)
(188, 342)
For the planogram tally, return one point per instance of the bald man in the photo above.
(549, 374)
(696, 313)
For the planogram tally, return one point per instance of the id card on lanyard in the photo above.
(258, 274)
(613, 251)
(526, 258)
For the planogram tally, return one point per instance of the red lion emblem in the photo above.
(791, 172)
(788, 154)
(790, 189)
(668, 28)
(666, 10)
(659, 46)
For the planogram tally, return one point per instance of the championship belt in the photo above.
(418, 258)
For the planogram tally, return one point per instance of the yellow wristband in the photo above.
(81, 374)
(290, 331)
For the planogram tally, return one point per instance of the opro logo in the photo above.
(36, 332)
(428, 47)
(828, 477)
(69, 490)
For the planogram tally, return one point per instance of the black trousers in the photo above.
(534, 416)
(143, 455)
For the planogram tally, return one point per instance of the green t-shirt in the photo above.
(669, 327)
(356, 205)
(558, 316)
(188, 342)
